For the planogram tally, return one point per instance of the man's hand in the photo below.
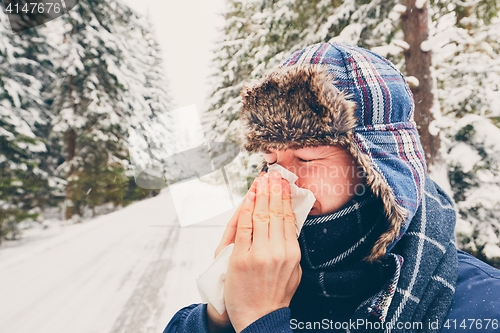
(264, 269)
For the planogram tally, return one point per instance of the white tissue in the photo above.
(211, 283)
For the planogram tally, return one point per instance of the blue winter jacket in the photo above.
(476, 307)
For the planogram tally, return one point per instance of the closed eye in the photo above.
(303, 160)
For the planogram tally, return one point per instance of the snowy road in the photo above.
(125, 272)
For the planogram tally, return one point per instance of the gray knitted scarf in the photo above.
(410, 290)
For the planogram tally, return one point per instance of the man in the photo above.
(383, 259)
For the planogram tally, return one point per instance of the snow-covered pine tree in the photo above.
(156, 92)
(157, 127)
(23, 184)
(101, 95)
(465, 42)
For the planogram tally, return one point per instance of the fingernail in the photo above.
(255, 181)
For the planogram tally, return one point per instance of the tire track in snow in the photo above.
(140, 312)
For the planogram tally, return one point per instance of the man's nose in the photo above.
(288, 161)
(285, 159)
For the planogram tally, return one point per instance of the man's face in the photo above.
(329, 172)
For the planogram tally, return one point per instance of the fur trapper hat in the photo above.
(335, 94)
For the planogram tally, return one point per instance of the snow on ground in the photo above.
(128, 271)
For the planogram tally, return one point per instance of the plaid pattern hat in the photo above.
(329, 94)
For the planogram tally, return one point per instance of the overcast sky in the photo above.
(186, 31)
